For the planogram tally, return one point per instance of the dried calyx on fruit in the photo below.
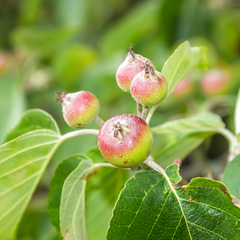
(79, 109)
(149, 87)
(125, 140)
(132, 65)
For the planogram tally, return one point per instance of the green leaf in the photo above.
(95, 154)
(42, 41)
(173, 174)
(149, 207)
(62, 172)
(180, 63)
(30, 11)
(101, 194)
(99, 200)
(207, 122)
(33, 119)
(22, 163)
(130, 28)
(69, 62)
(71, 12)
(180, 148)
(237, 114)
(12, 103)
(72, 207)
(238, 137)
(231, 177)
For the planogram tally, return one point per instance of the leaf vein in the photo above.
(24, 165)
(26, 149)
(19, 184)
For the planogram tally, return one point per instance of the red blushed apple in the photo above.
(132, 65)
(216, 82)
(79, 109)
(184, 88)
(149, 87)
(125, 140)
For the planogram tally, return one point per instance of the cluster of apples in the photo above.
(138, 75)
(124, 140)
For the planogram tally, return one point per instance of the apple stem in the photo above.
(144, 112)
(139, 109)
(99, 121)
(151, 113)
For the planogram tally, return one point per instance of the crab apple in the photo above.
(184, 89)
(216, 82)
(125, 140)
(131, 66)
(79, 109)
(149, 87)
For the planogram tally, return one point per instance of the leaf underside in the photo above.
(62, 172)
(149, 208)
(72, 207)
(101, 194)
(204, 122)
(22, 162)
(23, 159)
(180, 148)
(33, 119)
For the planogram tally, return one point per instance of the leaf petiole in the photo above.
(78, 133)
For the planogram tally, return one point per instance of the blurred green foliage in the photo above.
(51, 46)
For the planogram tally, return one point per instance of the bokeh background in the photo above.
(49, 46)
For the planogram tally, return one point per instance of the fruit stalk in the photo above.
(144, 112)
(99, 121)
(139, 109)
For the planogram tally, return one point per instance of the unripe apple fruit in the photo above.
(132, 65)
(125, 140)
(149, 87)
(184, 88)
(79, 109)
(216, 82)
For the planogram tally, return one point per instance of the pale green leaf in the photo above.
(62, 172)
(237, 115)
(72, 207)
(101, 194)
(238, 137)
(22, 163)
(70, 61)
(41, 41)
(231, 177)
(180, 63)
(30, 11)
(149, 207)
(12, 104)
(180, 148)
(207, 122)
(71, 12)
(99, 200)
(130, 28)
(33, 119)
